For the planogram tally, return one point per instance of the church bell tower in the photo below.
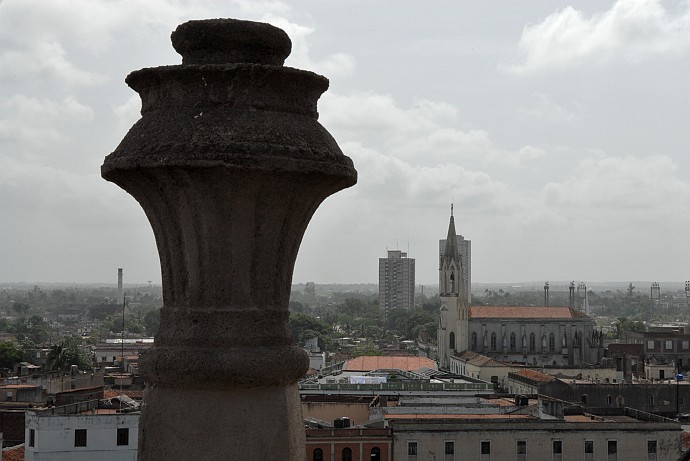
(453, 327)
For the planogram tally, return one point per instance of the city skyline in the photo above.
(555, 129)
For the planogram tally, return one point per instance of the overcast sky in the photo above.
(560, 131)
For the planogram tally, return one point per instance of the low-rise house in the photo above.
(476, 365)
(22, 394)
(540, 430)
(353, 443)
(86, 430)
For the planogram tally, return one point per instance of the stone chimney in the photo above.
(229, 164)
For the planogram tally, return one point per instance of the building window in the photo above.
(521, 450)
(32, 437)
(317, 455)
(512, 341)
(532, 342)
(608, 400)
(123, 436)
(347, 454)
(449, 451)
(485, 451)
(80, 437)
(650, 344)
(669, 345)
(552, 342)
(651, 450)
(493, 341)
(452, 340)
(589, 450)
(583, 399)
(651, 400)
(686, 344)
(474, 341)
(557, 450)
(375, 454)
(412, 451)
(612, 450)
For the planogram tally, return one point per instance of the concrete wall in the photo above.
(632, 444)
(652, 398)
(54, 437)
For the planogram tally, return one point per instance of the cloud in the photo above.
(545, 108)
(621, 186)
(40, 123)
(334, 66)
(632, 31)
(43, 61)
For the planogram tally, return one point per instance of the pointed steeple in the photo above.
(451, 249)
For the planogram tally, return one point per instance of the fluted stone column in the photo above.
(229, 163)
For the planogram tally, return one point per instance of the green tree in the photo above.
(133, 323)
(152, 322)
(365, 349)
(10, 354)
(304, 327)
(56, 359)
(67, 353)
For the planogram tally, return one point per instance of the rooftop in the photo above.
(531, 312)
(368, 363)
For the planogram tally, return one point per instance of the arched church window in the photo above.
(532, 342)
(512, 341)
(452, 340)
(493, 341)
(347, 454)
(376, 454)
(318, 454)
(452, 282)
(474, 341)
(552, 342)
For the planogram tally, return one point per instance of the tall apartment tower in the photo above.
(396, 281)
(464, 255)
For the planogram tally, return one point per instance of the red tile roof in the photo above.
(131, 393)
(457, 416)
(13, 453)
(518, 312)
(685, 440)
(534, 375)
(477, 359)
(375, 362)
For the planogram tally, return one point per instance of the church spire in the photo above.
(451, 249)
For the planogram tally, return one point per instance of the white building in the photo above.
(396, 281)
(81, 437)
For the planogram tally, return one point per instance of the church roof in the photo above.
(525, 312)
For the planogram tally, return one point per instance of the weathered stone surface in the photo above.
(229, 164)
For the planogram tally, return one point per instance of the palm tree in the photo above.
(57, 357)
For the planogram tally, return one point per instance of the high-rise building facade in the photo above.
(396, 281)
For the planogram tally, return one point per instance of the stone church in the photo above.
(558, 336)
